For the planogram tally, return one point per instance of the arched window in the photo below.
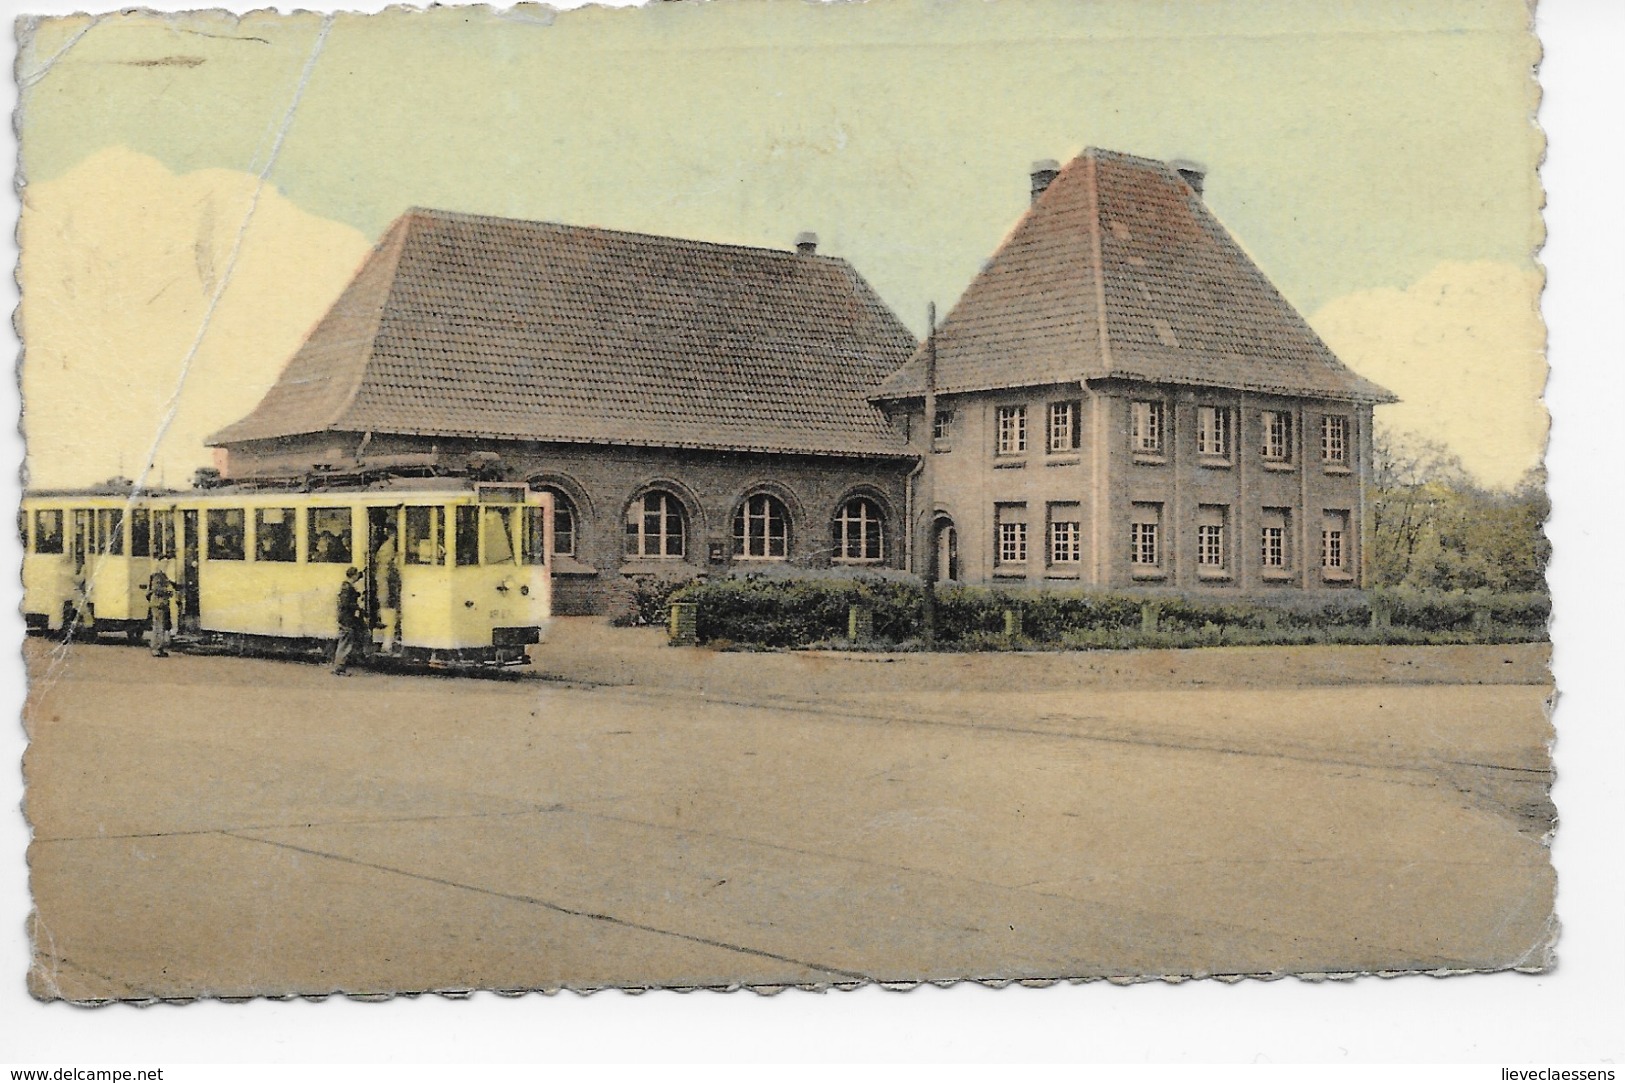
(761, 529)
(860, 533)
(564, 522)
(654, 526)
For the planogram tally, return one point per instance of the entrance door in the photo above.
(190, 609)
(945, 553)
(383, 571)
(84, 536)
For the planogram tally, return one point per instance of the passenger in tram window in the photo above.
(273, 535)
(425, 536)
(226, 533)
(48, 531)
(160, 595)
(354, 633)
(330, 535)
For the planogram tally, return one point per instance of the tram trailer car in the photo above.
(454, 572)
(83, 571)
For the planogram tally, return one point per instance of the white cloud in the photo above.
(1463, 347)
(120, 258)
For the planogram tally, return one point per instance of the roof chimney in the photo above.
(1193, 172)
(1043, 172)
(806, 244)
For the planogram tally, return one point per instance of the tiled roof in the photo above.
(464, 325)
(1120, 270)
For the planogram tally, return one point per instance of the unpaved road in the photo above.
(634, 815)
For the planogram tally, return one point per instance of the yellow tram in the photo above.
(83, 571)
(455, 571)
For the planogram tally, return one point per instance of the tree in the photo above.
(1435, 528)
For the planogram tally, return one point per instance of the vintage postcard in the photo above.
(767, 494)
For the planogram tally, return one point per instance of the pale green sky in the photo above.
(1355, 149)
(1352, 145)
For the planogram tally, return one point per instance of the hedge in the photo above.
(782, 611)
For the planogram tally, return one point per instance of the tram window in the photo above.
(497, 538)
(48, 531)
(274, 535)
(425, 535)
(330, 535)
(468, 535)
(535, 540)
(141, 533)
(110, 530)
(152, 534)
(163, 535)
(22, 529)
(226, 533)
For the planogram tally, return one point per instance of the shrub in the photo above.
(647, 599)
(780, 610)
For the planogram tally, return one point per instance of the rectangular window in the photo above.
(942, 427)
(226, 533)
(110, 529)
(1065, 541)
(328, 536)
(468, 536)
(48, 531)
(274, 534)
(1334, 552)
(535, 547)
(1011, 526)
(1275, 554)
(1334, 440)
(1213, 432)
(496, 537)
(1277, 426)
(1012, 430)
(141, 533)
(426, 535)
(152, 534)
(1210, 538)
(1145, 537)
(1147, 428)
(1063, 426)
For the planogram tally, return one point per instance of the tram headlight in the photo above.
(525, 590)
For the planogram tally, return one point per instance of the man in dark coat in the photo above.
(354, 630)
(160, 594)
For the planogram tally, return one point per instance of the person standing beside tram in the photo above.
(160, 596)
(354, 629)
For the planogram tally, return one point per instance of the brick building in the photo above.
(689, 405)
(1122, 399)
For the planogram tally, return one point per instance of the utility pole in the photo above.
(928, 481)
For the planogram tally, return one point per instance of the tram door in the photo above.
(383, 571)
(190, 609)
(84, 536)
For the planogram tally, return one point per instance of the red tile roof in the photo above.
(1120, 270)
(464, 325)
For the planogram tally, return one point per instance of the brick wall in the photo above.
(1104, 485)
